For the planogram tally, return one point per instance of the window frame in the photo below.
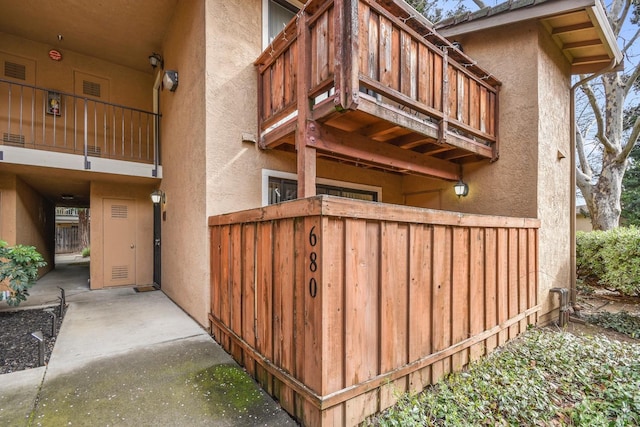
(265, 16)
(269, 173)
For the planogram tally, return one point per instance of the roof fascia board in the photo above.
(543, 10)
(600, 15)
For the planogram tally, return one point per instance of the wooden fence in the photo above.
(336, 305)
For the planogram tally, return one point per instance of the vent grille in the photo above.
(15, 71)
(119, 272)
(13, 138)
(119, 211)
(91, 88)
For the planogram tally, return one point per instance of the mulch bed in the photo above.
(18, 349)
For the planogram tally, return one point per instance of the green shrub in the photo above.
(86, 252)
(18, 271)
(610, 259)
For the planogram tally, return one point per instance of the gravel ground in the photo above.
(18, 349)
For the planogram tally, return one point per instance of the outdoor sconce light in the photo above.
(157, 197)
(170, 80)
(155, 59)
(461, 188)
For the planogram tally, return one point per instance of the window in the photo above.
(279, 13)
(283, 186)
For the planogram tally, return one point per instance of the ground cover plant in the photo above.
(622, 322)
(543, 377)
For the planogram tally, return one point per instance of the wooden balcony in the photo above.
(370, 83)
(336, 306)
(44, 119)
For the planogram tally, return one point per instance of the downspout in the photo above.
(572, 127)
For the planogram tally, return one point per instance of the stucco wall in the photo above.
(127, 86)
(144, 229)
(35, 223)
(8, 208)
(529, 179)
(554, 178)
(185, 242)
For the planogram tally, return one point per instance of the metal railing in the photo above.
(46, 119)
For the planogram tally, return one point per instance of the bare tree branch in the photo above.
(633, 138)
(480, 4)
(585, 167)
(618, 13)
(597, 112)
(632, 78)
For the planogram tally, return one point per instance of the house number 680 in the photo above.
(313, 263)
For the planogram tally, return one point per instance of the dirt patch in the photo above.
(19, 349)
(601, 301)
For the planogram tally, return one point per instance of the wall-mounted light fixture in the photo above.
(170, 80)
(158, 196)
(461, 188)
(155, 59)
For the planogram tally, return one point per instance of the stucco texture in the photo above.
(529, 179)
(185, 242)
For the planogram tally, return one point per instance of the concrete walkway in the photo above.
(130, 359)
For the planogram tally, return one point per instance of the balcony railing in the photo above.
(375, 57)
(44, 119)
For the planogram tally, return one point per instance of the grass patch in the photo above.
(541, 378)
(620, 322)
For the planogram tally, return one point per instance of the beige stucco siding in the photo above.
(529, 179)
(554, 179)
(8, 208)
(185, 248)
(26, 218)
(126, 86)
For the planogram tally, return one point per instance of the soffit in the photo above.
(124, 32)
(579, 27)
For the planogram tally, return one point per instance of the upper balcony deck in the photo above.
(383, 88)
(87, 129)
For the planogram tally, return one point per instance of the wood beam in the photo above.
(571, 28)
(363, 150)
(583, 43)
(306, 155)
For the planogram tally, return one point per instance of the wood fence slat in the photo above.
(264, 290)
(215, 268)
(513, 279)
(477, 287)
(394, 306)
(523, 276)
(503, 281)
(249, 249)
(225, 278)
(441, 314)
(532, 263)
(300, 290)
(420, 240)
(332, 257)
(490, 280)
(460, 294)
(235, 291)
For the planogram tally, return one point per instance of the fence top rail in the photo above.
(97, 101)
(333, 206)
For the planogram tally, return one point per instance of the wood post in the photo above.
(306, 155)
